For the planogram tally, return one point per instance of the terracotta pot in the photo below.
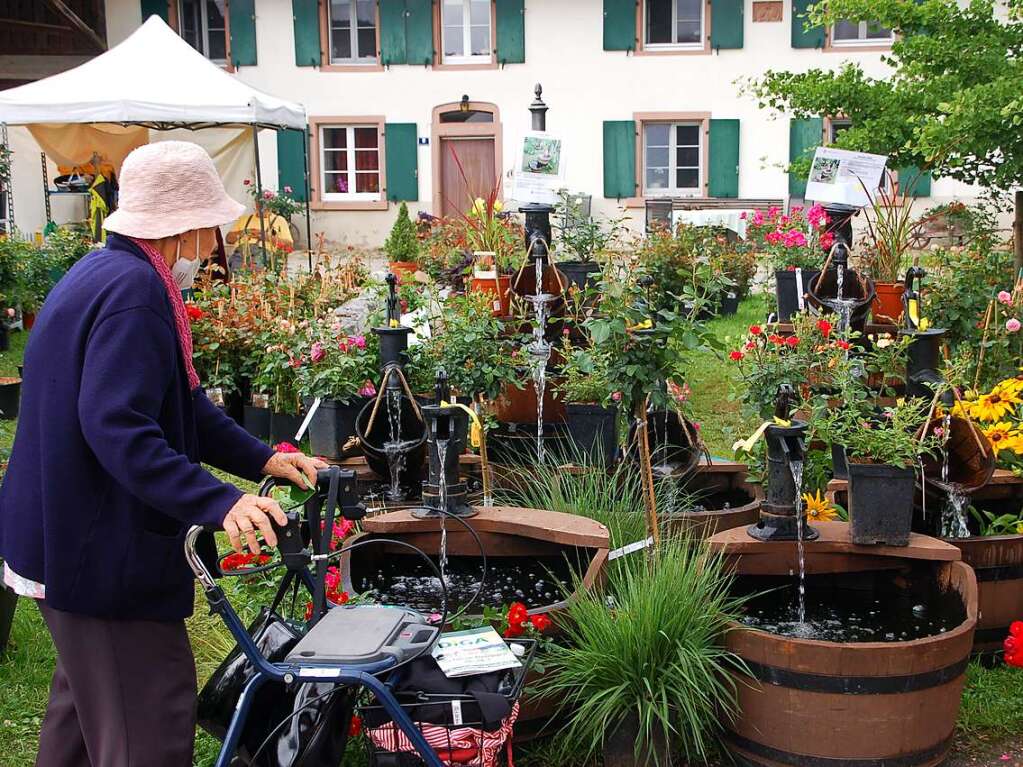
(499, 288)
(887, 303)
(28, 320)
(402, 269)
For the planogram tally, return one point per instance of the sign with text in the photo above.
(844, 177)
(539, 168)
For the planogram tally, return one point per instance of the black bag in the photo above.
(316, 736)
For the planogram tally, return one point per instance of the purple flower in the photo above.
(287, 190)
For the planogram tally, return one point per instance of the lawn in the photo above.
(991, 718)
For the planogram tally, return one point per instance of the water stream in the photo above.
(954, 523)
(393, 448)
(796, 467)
(442, 493)
(539, 351)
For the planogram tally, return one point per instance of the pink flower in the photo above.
(317, 352)
(939, 432)
(827, 240)
(359, 342)
(773, 211)
(773, 238)
(616, 396)
(794, 239)
(296, 362)
(796, 209)
(758, 218)
(816, 216)
(742, 216)
(267, 194)
(1012, 325)
(285, 447)
(247, 182)
(696, 425)
(368, 389)
(287, 190)
(1005, 297)
(342, 345)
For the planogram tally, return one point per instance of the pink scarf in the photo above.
(178, 307)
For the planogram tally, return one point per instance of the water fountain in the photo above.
(447, 428)
(842, 291)
(922, 376)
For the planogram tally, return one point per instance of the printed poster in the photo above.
(844, 177)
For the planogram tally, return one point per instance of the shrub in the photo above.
(401, 244)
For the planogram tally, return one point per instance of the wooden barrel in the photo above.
(806, 703)
(717, 482)
(971, 459)
(998, 562)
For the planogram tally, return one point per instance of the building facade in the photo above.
(408, 99)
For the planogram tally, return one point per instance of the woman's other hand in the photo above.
(249, 514)
(296, 468)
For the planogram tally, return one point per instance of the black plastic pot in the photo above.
(593, 430)
(880, 504)
(582, 274)
(256, 421)
(5, 339)
(729, 304)
(333, 425)
(8, 604)
(620, 745)
(839, 464)
(10, 398)
(284, 426)
(787, 292)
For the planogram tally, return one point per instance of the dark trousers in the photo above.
(123, 694)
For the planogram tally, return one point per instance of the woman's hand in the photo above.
(249, 514)
(296, 468)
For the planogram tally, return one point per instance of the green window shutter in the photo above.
(724, 158)
(306, 14)
(619, 159)
(804, 136)
(913, 182)
(155, 7)
(392, 32)
(802, 37)
(401, 148)
(511, 31)
(620, 25)
(242, 15)
(419, 31)
(726, 23)
(291, 163)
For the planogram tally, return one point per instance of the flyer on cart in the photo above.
(844, 177)
(539, 168)
(472, 652)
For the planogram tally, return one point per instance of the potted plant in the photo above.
(882, 450)
(34, 283)
(338, 369)
(590, 413)
(402, 246)
(793, 255)
(582, 240)
(495, 240)
(891, 229)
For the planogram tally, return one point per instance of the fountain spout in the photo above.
(447, 429)
(393, 335)
(922, 376)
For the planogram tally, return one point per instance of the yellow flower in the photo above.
(1013, 385)
(818, 508)
(498, 206)
(995, 404)
(1019, 528)
(961, 408)
(1003, 436)
(479, 206)
(644, 325)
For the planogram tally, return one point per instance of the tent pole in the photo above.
(259, 195)
(308, 199)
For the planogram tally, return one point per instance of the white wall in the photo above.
(583, 86)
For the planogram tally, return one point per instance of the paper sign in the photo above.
(844, 177)
(539, 168)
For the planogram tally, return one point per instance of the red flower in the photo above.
(774, 338)
(1011, 644)
(1016, 629)
(194, 312)
(844, 345)
(824, 327)
(792, 341)
(518, 613)
(736, 355)
(285, 447)
(514, 631)
(355, 727)
(750, 346)
(755, 330)
(540, 622)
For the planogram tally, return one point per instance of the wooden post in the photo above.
(647, 472)
(1017, 233)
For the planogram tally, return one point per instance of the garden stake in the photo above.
(983, 340)
(647, 470)
(484, 462)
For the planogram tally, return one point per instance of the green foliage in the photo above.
(991, 523)
(888, 437)
(402, 244)
(643, 648)
(334, 365)
(684, 265)
(66, 246)
(15, 254)
(584, 376)
(950, 104)
(585, 238)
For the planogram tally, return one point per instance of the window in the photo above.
(672, 164)
(466, 31)
(836, 127)
(353, 31)
(349, 162)
(202, 24)
(673, 23)
(859, 33)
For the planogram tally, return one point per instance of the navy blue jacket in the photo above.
(105, 477)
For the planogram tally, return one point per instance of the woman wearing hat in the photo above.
(106, 473)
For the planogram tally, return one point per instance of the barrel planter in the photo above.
(997, 561)
(806, 703)
(716, 486)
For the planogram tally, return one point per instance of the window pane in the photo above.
(480, 41)
(452, 12)
(657, 157)
(689, 16)
(657, 178)
(341, 45)
(335, 183)
(687, 178)
(658, 21)
(479, 12)
(365, 138)
(191, 23)
(876, 32)
(453, 41)
(368, 160)
(847, 30)
(687, 135)
(367, 182)
(335, 138)
(367, 43)
(687, 157)
(688, 32)
(657, 134)
(218, 45)
(366, 14)
(333, 161)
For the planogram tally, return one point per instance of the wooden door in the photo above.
(467, 172)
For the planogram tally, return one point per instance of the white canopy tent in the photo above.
(153, 80)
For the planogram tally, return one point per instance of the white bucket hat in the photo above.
(167, 188)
